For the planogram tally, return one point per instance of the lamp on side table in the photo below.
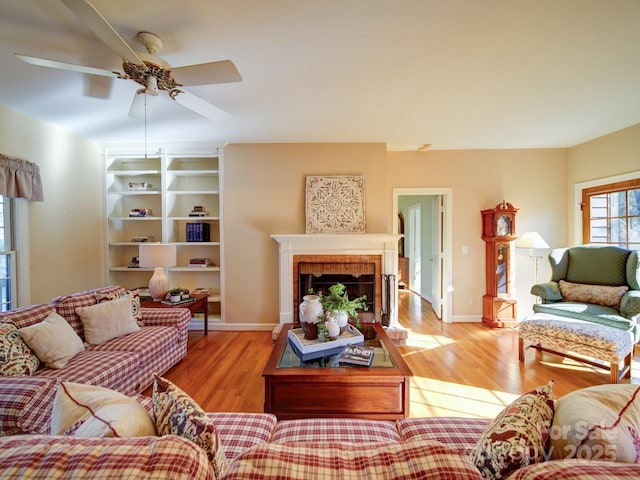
(159, 256)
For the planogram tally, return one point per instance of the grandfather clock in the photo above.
(498, 231)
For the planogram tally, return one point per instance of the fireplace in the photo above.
(318, 260)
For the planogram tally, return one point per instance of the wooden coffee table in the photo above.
(319, 388)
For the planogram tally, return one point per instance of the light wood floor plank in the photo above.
(460, 369)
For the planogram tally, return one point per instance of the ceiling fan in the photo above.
(145, 68)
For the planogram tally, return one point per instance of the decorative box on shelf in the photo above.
(303, 346)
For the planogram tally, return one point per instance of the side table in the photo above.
(201, 305)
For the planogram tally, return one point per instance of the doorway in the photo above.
(414, 241)
(435, 244)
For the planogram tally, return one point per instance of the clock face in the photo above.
(503, 226)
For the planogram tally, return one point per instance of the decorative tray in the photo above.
(349, 337)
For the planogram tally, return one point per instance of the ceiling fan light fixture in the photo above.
(142, 105)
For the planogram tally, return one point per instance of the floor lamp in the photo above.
(158, 256)
(532, 240)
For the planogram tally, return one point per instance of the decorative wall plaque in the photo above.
(335, 204)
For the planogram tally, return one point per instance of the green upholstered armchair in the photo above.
(599, 283)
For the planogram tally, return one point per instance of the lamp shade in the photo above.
(157, 255)
(531, 240)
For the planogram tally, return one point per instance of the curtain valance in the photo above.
(20, 179)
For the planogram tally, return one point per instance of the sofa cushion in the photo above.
(25, 404)
(345, 460)
(90, 411)
(16, 358)
(335, 429)
(594, 264)
(456, 432)
(598, 294)
(578, 469)
(176, 413)
(103, 321)
(25, 316)
(66, 305)
(159, 348)
(239, 431)
(120, 371)
(53, 341)
(39, 456)
(598, 423)
(517, 436)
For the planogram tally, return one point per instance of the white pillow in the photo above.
(53, 340)
(107, 320)
(97, 412)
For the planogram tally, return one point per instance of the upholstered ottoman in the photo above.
(567, 337)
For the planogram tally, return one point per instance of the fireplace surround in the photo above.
(350, 255)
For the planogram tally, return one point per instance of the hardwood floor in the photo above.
(460, 369)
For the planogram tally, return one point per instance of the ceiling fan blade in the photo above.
(103, 30)
(206, 73)
(201, 107)
(43, 62)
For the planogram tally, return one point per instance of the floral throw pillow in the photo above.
(16, 358)
(176, 413)
(517, 437)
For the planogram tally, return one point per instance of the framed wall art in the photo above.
(335, 204)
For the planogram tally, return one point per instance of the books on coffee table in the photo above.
(357, 355)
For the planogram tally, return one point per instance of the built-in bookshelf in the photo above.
(161, 197)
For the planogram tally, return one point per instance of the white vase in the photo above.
(333, 329)
(310, 315)
(341, 317)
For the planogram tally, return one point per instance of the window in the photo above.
(7, 256)
(611, 214)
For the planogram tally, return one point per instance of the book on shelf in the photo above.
(200, 262)
(198, 232)
(200, 290)
(140, 212)
(198, 211)
(357, 355)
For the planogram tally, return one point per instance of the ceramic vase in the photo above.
(310, 316)
(341, 318)
(333, 329)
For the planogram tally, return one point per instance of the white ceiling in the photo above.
(458, 74)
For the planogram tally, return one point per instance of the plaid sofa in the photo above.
(257, 446)
(125, 364)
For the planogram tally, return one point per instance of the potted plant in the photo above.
(337, 304)
(175, 294)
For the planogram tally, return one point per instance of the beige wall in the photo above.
(611, 155)
(66, 239)
(264, 194)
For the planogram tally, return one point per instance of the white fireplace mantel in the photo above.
(384, 244)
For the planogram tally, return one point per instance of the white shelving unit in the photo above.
(179, 181)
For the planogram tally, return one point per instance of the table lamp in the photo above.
(532, 240)
(158, 256)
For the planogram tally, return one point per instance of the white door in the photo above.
(415, 257)
(437, 254)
